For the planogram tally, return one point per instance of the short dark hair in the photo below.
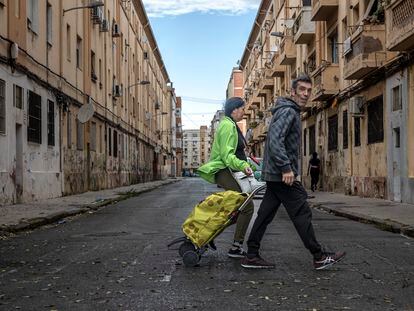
(231, 104)
(303, 77)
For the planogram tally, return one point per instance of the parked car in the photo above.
(256, 163)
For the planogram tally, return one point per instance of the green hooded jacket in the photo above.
(223, 152)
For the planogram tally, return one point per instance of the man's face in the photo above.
(302, 93)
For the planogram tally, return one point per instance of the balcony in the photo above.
(274, 69)
(325, 81)
(288, 51)
(304, 28)
(323, 10)
(400, 25)
(367, 52)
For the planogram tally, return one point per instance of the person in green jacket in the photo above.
(227, 155)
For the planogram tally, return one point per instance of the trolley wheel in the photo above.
(185, 247)
(191, 258)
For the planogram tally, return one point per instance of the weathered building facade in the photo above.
(359, 54)
(84, 100)
(196, 148)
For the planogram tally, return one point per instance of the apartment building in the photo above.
(83, 98)
(196, 149)
(359, 54)
(179, 137)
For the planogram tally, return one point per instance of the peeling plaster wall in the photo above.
(39, 177)
(359, 170)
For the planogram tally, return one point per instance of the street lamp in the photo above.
(92, 5)
(143, 82)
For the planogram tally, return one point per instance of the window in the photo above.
(396, 98)
(69, 125)
(94, 77)
(32, 7)
(375, 120)
(357, 131)
(18, 97)
(68, 47)
(109, 142)
(312, 139)
(2, 107)
(345, 129)
(79, 135)
(49, 13)
(115, 144)
(34, 128)
(100, 138)
(397, 136)
(100, 73)
(93, 136)
(50, 123)
(333, 47)
(304, 142)
(16, 7)
(333, 133)
(78, 52)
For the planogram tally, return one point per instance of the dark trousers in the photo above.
(314, 180)
(294, 199)
(225, 179)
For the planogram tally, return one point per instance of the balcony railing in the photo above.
(367, 52)
(323, 10)
(304, 28)
(288, 51)
(400, 25)
(325, 81)
(276, 70)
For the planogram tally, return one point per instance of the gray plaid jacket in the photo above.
(283, 141)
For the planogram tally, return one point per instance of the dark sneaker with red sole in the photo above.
(256, 263)
(328, 259)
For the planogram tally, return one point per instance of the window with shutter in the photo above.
(2, 107)
(51, 123)
(34, 128)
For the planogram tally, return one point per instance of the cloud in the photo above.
(160, 8)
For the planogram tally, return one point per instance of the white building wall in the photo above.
(28, 171)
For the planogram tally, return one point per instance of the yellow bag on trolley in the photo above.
(210, 215)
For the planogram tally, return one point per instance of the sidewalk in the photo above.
(387, 215)
(19, 217)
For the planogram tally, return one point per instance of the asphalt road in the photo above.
(117, 259)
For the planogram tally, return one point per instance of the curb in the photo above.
(37, 222)
(382, 224)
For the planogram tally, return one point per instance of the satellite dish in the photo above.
(85, 113)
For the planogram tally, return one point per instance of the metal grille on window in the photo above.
(345, 129)
(375, 120)
(2, 107)
(357, 131)
(34, 128)
(333, 133)
(79, 134)
(51, 123)
(93, 136)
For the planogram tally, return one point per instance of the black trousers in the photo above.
(314, 180)
(294, 199)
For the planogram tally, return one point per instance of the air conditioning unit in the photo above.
(104, 26)
(117, 91)
(157, 106)
(97, 15)
(177, 112)
(116, 31)
(356, 105)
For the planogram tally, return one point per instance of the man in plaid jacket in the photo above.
(280, 169)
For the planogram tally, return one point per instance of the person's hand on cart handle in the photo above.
(288, 178)
(248, 171)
